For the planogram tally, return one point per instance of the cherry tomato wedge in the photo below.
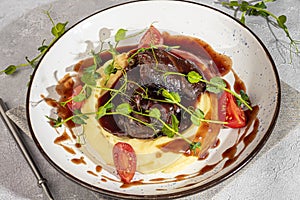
(230, 112)
(72, 105)
(151, 37)
(125, 161)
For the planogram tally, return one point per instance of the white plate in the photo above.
(251, 61)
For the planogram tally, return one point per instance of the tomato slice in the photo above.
(151, 37)
(72, 105)
(125, 161)
(230, 112)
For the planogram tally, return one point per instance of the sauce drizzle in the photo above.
(78, 161)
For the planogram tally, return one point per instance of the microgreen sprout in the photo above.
(259, 8)
(78, 118)
(55, 122)
(194, 146)
(214, 85)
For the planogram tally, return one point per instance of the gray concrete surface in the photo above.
(273, 174)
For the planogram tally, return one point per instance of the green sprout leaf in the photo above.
(281, 21)
(197, 116)
(171, 96)
(90, 76)
(170, 131)
(80, 97)
(9, 70)
(194, 146)
(244, 96)
(124, 108)
(102, 110)
(167, 130)
(216, 85)
(194, 77)
(244, 6)
(155, 113)
(176, 97)
(56, 122)
(110, 69)
(232, 4)
(88, 92)
(97, 60)
(43, 48)
(120, 35)
(58, 29)
(166, 94)
(175, 123)
(78, 120)
(79, 117)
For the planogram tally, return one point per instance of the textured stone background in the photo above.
(273, 174)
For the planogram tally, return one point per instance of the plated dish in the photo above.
(146, 108)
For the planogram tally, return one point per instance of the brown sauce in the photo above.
(251, 116)
(110, 179)
(200, 49)
(230, 152)
(73, 134)
(78, 145)
(63, 137)
(206, 169)
(203, 156)
(181, 177)
(103, 180)
(98, 168)
(216, 144)
(92, 173)
(78, 161)
(68, 149)
(157, 179)
(132, 183)
(238, 83)
(64, 88)
(160, 189)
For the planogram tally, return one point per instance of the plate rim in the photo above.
(187, 192)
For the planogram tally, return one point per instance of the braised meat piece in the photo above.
(149, 72)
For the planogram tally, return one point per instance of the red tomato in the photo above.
(152, 36)
(72, 105)
(125, 161)
(230, 112)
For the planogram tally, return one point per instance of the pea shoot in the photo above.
(259, 8)
(214, 85)
(57, 30)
